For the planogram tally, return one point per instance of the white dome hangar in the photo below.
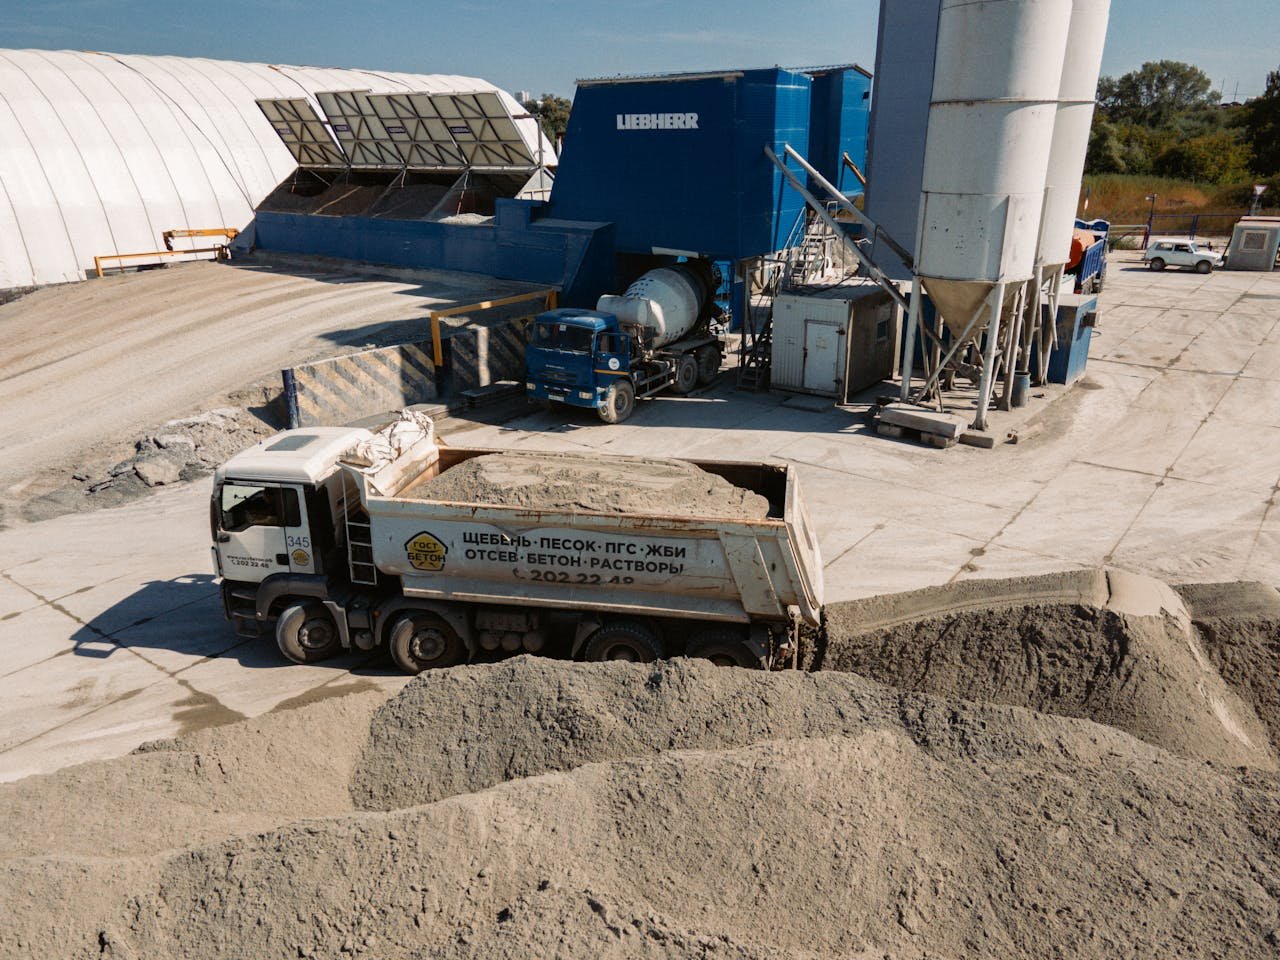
(104, 152)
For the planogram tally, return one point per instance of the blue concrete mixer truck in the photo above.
(657, 335)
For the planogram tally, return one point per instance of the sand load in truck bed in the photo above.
(570, 481)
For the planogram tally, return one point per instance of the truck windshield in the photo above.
(245, 506)
(563, 336)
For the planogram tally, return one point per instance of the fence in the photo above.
(1191, 225)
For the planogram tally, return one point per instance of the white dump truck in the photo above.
(337, 549)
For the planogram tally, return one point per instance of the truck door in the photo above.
(613, 357)
(256, 522)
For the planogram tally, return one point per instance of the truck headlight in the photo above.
(531, 386)
(586, 394)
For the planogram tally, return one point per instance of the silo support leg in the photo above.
(909, 355)
(989, 361)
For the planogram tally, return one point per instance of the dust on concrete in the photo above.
(672, 810)
(595, 484)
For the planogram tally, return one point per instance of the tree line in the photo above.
(1166, 119)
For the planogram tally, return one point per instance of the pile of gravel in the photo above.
(178, 450)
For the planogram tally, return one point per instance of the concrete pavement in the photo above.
(1165, 460)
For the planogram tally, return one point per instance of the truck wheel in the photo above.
(708, 365)
(618, 402)
(686, 374)
(1157, 264)
(724, 648)
(1204, 266)
(423, 641)
(625, 640)
(306, 633)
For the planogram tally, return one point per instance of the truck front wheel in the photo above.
(423, 641)
(306, 633)
(625, 640)
(618, 402)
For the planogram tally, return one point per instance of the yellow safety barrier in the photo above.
(437, 315)
(220, 253)
(169, 235)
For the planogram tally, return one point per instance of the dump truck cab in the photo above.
(275, 515)
(575, 356)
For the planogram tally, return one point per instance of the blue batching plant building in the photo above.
(652, 169)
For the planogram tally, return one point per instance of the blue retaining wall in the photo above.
(577, 257)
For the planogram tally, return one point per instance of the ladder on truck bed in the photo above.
(360, 565)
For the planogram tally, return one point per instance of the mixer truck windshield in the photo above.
(564, 336)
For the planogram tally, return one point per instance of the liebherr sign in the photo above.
(657, 121)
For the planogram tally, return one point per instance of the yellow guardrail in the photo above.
(435, 316)
(169, 235)
(220, 252)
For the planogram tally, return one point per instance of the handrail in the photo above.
(435, 316)
(220, 252)
(848, 207)
(874, 272)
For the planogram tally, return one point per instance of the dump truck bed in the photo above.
(702, 568)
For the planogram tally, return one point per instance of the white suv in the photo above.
(1181, 253)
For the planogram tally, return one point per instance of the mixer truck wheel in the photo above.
(625, 640)
(708, 365)
(724, 648)
(423, 641)
(686, 374)
(618, 402)
(306, 633)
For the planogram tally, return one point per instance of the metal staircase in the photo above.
(756, 352)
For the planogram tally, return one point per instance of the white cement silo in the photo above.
(997, 77)
(1085, 40)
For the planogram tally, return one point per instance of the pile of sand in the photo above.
(596, 484)
(1239, 626)
(1066, 644)
(677, 810)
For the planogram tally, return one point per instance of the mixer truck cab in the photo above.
(655, 336)
(579, 357)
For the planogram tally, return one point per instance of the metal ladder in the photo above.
(360, 566)
(756, 356)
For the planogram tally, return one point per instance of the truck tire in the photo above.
(306, 633)
(708, 365)
(1204, 266)
(624, 640)
(423, 641)
(724, 648)
(686, 374)
(618, 402)
(1157, 264)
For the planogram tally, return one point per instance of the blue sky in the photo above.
(547, 44)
